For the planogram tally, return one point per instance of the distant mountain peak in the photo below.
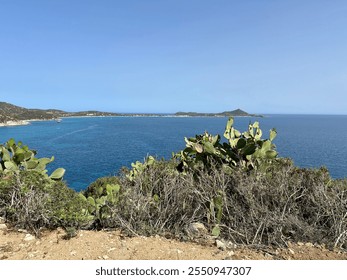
(235, 113)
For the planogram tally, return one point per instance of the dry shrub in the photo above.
(159, 201)
(31, 201)
(285, 203)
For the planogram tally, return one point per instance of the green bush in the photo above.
(98, 188)
(32, 201)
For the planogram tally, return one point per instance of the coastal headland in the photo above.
(12, 115)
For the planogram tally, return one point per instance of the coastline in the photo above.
(28, 122)
(14, 123)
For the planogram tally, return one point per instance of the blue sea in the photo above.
(93, 147)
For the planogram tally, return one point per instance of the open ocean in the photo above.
(89, 148)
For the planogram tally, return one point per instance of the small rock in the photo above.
(111, 249)
(291, 251)
(73, 253)
(309, 244)
(231, 253)
(300, 244)
(2, 220)
(231, 245)
(197, 229)
(28, 237)
(3, 227)
(105, 257)
(221, 245)
(22, 231)
(179, 251)
(37, 243)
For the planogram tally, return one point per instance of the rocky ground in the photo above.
(94, 245)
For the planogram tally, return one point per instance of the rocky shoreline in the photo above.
(14, 123)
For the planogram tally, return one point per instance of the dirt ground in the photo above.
(94, 245)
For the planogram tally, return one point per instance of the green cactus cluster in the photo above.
(216, 212)
(15, 157)
(247, 149)
(139, 167)
(99, 204)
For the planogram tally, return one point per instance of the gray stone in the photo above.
(196, 229)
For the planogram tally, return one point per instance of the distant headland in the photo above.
(11, 115)
(235, 113)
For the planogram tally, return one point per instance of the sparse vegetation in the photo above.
(284, 204)
(32, 201)
(239, 190)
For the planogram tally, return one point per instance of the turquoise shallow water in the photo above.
(89, 148)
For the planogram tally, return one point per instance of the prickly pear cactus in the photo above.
(139, 167)
(16, 156)
(99, 205)
(246, 149)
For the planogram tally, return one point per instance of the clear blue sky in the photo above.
(264, 56)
